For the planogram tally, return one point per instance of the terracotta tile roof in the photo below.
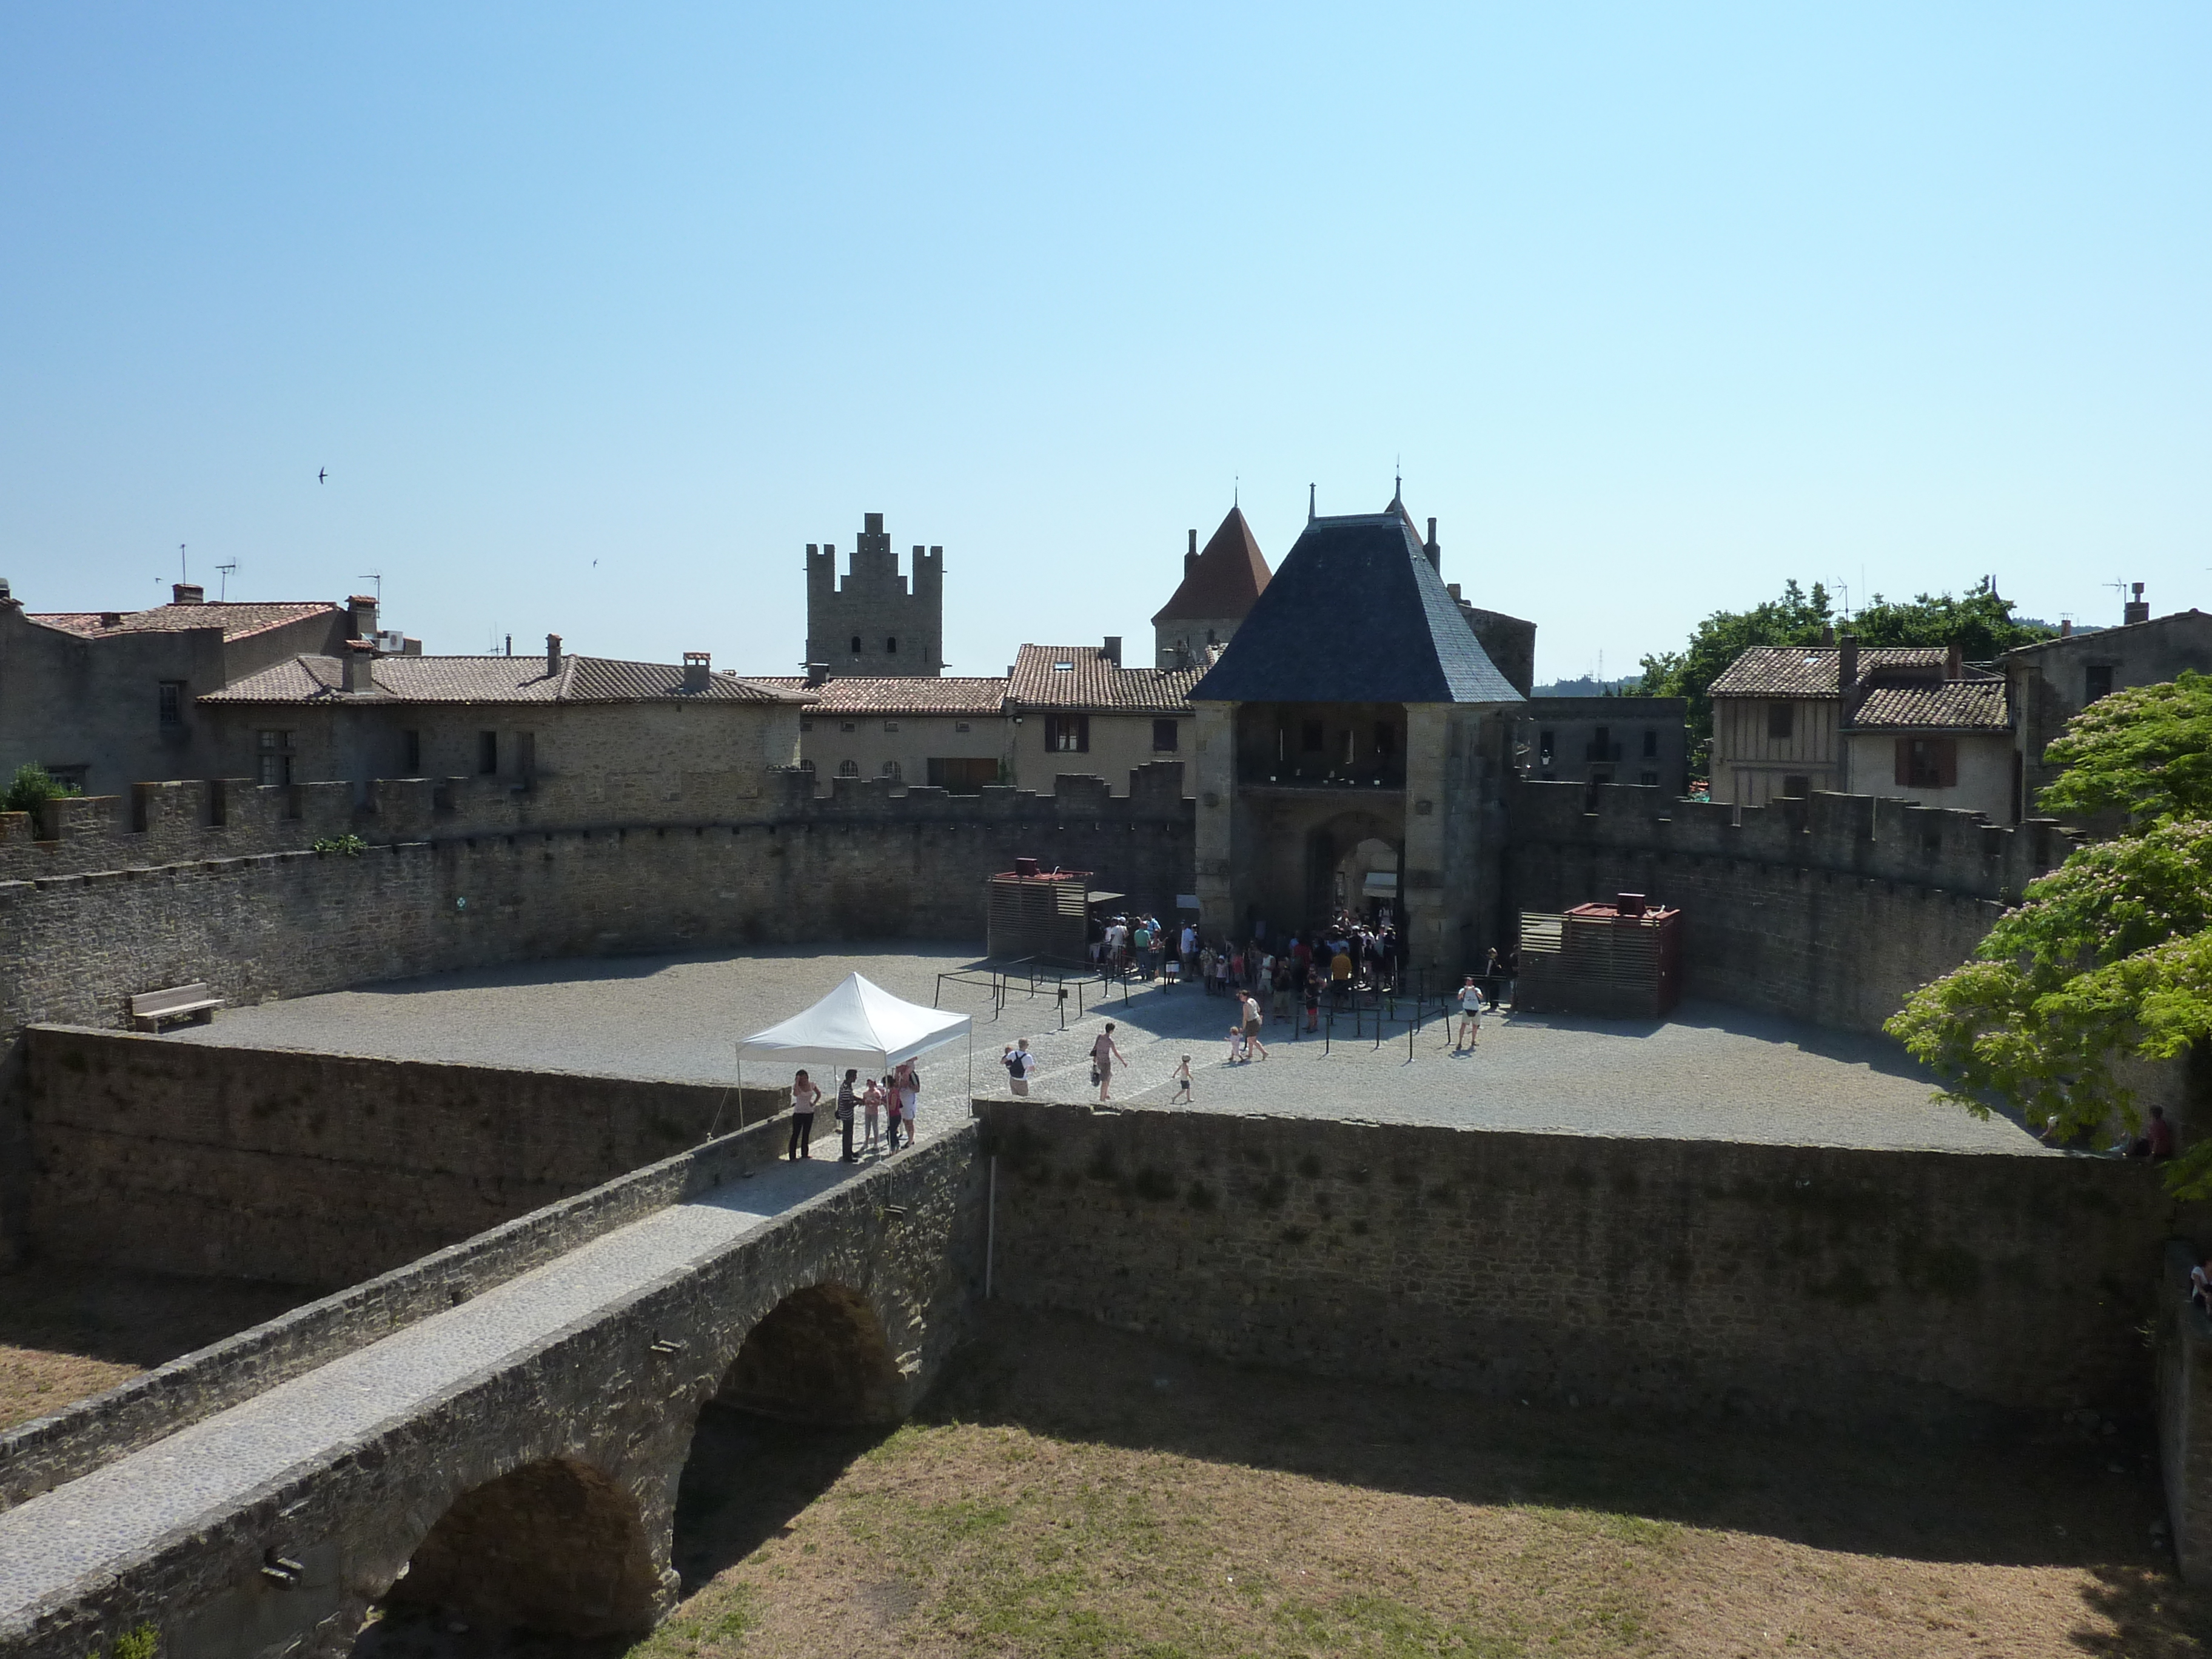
(1809, 671)
(1229, 574)
(494, 679)
(237, 620)
(1090, 681)
(1952, 706)
(892, 695)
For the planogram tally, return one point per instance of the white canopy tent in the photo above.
(859, 1025)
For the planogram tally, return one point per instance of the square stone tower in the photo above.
(870, 623)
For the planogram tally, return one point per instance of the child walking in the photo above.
(1182, 1082)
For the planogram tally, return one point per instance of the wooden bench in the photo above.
(151, 1010)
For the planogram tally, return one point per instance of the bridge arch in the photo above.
(556, 1545)
(819, 1356)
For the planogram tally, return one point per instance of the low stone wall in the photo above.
(2184, 1339)
(319, 1170)
(39, 1455)
(1671, 1275)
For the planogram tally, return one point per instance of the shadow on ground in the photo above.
(2085, 1498)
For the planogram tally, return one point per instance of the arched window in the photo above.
(890, 769)
(849, 769)
(890, 646)
(856, 644)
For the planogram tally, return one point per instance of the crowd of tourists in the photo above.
(883, 1106)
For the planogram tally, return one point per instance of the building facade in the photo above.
(871, 625)
(2052, 681)
(106, 699)
(1948, 744)
(1641, 740)
(624, 728)
(1074, 709)
(1355, 727)
(949, 733)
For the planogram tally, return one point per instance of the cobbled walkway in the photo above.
(200, 1474)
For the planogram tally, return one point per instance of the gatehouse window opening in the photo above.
(411, 753)
(1163, 737)
(890, 645)
(856, 644)
(1781, 720)
(273, 751)
(2097, 681)
(171, 704)
(487, 752)
(1309, 737)
(1651, 744)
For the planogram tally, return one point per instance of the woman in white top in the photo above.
(804, 1097)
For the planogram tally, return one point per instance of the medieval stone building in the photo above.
(871, 623)
(1352, 743)
(1219, 588)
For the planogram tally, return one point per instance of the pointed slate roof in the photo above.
(1357, 614)
(1229, 574)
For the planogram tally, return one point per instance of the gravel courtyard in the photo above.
(1708, 1073)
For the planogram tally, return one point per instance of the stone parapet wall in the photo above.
(1831, 910)
(1863, 835)
(161, 824)
(318, 1169)
(36, 1456)
(1652, 1275)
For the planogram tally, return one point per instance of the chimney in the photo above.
(360, 660)
(1435, 552)
(363, 607)
(552, 653)
(1190, 559)
(698, 668)
(2138, 609)
(7, 593)
(1954, 662)
(187, 594)
(816, 673)
(1113, 649)
(1827, 633)
(1847, 669)
(2066, 627)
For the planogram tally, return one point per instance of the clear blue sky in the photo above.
(1660, 306)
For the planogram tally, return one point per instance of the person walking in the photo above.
(1470, 1016)
(872, 1102)
(1313, 996)
(1181, 1094)
(804, 1097)
(1252, 1042)
(1493, 971)
(1103, 1053)
(908, 1095)
(848, 1107)
(1029, 1064)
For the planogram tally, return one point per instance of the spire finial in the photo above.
(1398, 482)
(1236, 489)
(1309, 503)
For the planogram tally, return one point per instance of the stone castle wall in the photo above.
(1664, 1274)
(318, 1169)
(1831, 910)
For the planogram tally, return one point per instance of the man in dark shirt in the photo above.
(848, 1102)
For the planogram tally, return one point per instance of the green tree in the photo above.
(30, 785)
(1981, 621)
(2108, 955)
(1798, 617)
(2146, 752)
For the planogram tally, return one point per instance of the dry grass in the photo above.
(1077, 1493)
(67, 1332)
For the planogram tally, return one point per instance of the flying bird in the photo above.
(324, 474)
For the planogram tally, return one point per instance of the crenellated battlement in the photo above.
(162, 823)
(1863, 836)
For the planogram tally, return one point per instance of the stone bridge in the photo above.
(498, 1429)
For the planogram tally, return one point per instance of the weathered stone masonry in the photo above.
(1657, 1273)
(320, 1170)
(599, 1401)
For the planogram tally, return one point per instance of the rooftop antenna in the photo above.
(184, 572)
(376, 576)
(1235, 490)
(225, 572)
